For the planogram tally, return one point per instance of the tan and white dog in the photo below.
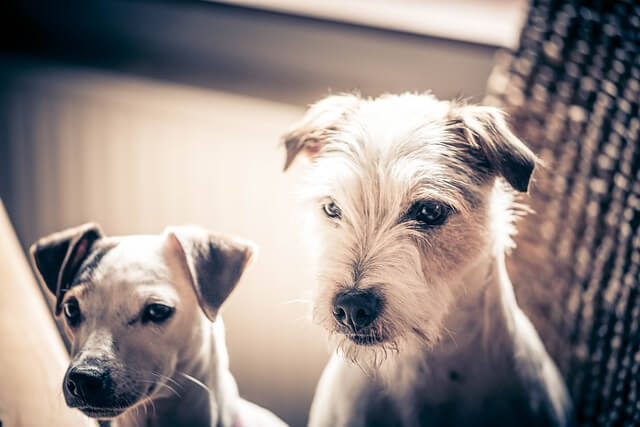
(141, 313)
(412, 208)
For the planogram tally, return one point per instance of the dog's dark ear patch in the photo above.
(486, 129)
(57, 257)
(310, 134)
(213, 262)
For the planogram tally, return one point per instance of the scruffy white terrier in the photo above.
(413, 207)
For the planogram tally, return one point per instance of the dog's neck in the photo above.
(485, 306)
(475, 352)
(201, 378)
(479, 330)
(483, 313)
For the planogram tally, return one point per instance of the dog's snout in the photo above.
(87, 383)
(356, 310)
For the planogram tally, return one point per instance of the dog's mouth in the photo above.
(365, 338)
(101, 412)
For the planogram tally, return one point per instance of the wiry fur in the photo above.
(375, 169)
(374, 158)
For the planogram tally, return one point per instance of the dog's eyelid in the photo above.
(71, 299)
(68, 298)
(410, 215)
(406, 212)
(325, 199)
(147, 313)
(157, 300)
(161, 300)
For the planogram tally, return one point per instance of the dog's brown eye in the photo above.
(332, 210)
(429, 213)
(156, 313)
(71, 311)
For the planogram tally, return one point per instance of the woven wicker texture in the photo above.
(572, 89)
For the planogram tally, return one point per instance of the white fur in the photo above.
(448, 304)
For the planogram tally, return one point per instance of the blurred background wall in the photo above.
(140, 114)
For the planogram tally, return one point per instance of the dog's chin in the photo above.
(378, 347)
(102, 413)
(106, 413)
(109, 409)
(367, 350)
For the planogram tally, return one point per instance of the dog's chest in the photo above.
(461, 391)
(489, 409)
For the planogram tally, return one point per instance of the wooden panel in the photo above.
(32, 360)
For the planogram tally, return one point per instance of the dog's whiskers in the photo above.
(195, 381)
(165, 377)
(165, 385)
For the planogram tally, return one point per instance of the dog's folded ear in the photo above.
(57, 257)
(309, 135)
(486, 129)
(213, 262)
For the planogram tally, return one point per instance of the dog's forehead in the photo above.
(410, 131)
(399, 147)
(134, 259)
(391, 125)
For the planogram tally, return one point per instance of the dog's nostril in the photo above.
(71, 387)
(356, 310)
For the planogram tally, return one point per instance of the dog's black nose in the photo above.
(356, 310)
(87, 383)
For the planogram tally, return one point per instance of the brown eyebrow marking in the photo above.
(79, 290)
(86, 287)
(88, 267)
